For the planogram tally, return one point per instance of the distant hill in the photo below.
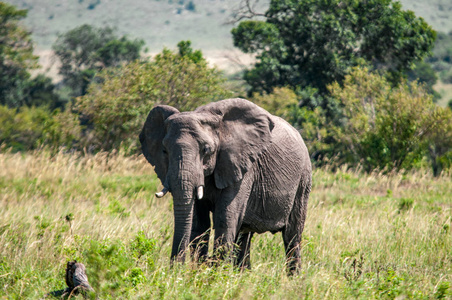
(163, 23)
(159, 22)
(166, 22)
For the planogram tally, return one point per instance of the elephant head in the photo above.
(221, 139)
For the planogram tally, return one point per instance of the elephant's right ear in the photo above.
(151, 138)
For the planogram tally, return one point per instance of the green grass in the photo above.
(367, 236)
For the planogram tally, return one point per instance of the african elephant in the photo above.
(249, 168)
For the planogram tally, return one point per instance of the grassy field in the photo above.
(366, 236)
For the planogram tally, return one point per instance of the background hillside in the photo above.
(166, 22)
(163, 23)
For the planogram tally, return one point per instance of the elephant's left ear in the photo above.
(245, 131)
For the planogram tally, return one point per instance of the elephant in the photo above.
(248, 168)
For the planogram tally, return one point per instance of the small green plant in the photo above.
(141, 245)
(136, 276)
(443, 290)
(69, 218)
(405, 204)
(389, 193)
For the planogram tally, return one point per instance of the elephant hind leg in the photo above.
(294, 229)
(293, 258)
(242, 258)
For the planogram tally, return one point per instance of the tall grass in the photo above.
(366, 236)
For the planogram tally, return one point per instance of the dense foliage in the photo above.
(381, 126)
(85, 50)
(27, 128)
(315, 43)
(117, 106)
(16, 56)
(386, 127)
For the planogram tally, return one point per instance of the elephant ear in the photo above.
(151, 138)
(245, 132)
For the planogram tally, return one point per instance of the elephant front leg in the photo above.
(224, 240)
(228, 216)
(199, 238)
(242, 258)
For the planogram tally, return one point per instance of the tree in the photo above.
(187, 51)
(190, 6)
(41, 91)
(441, 60)
(16, 56)
(85, 50)
(314, 43)
(424, 73)
(117, 105)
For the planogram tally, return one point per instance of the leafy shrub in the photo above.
(279, 102)
(110, 260)
(117, 106)
(440, 141)
(385, 127)
(30, 128)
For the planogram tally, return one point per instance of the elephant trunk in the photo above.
(183, 202)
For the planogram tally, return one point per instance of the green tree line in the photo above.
(356, 78)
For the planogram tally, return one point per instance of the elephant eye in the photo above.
(207, 150)
(164, 151)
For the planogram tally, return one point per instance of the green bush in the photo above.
(30, 128)
(386, 127)
(440, 141)
(279, 102)
(117, 106)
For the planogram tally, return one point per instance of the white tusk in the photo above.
(162, 193)
(200, 192)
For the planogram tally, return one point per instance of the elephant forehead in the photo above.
(182, 121)
(190, 120)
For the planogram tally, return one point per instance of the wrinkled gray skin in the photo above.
(253, 169)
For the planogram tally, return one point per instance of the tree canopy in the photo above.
(117, 105)
(314, 43)
(85, 50)
(16, 56)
